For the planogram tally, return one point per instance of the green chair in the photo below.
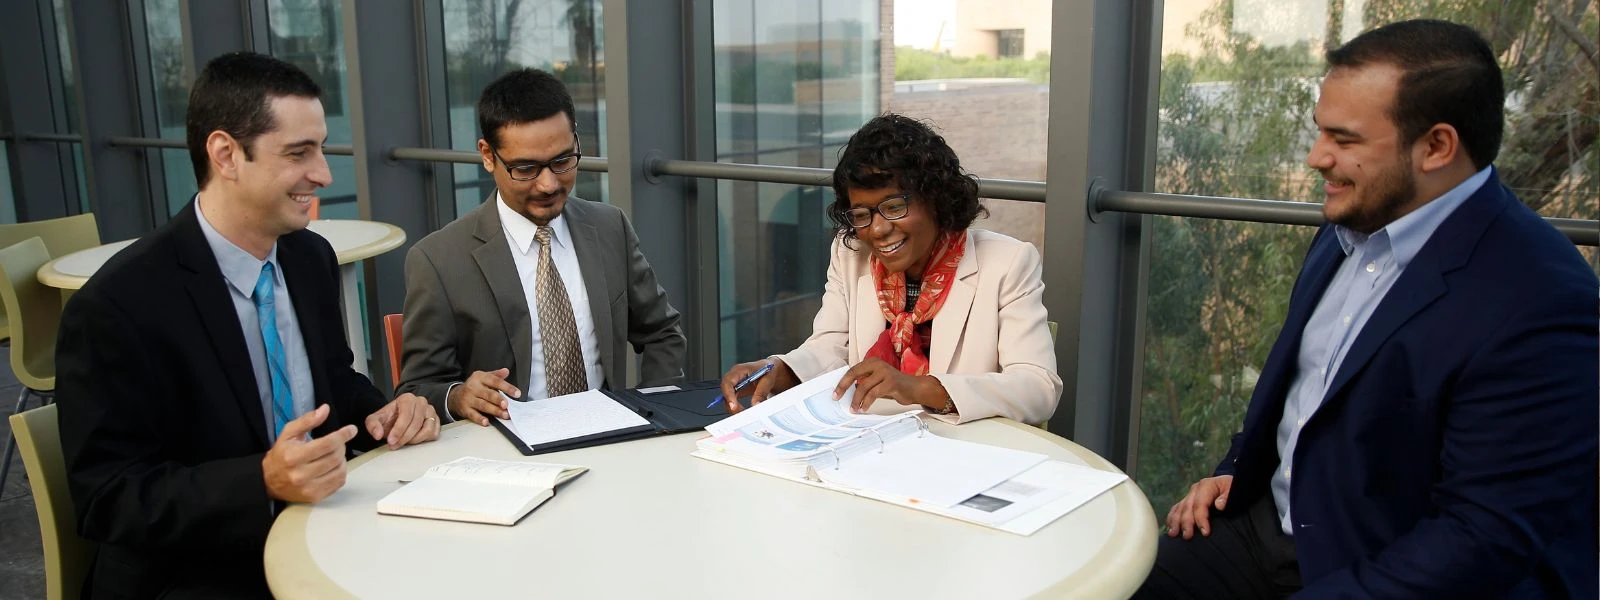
(61, 237)
(36, 313)
(66, 556)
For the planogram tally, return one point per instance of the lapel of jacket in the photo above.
(1322, 261)
(869, 320)
(493, 256)
(951, 321)
(1423, 283)
(213, 303)
(586, 244)
(300, 275)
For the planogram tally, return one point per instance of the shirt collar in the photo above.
(520, 231)
(240, 268)
(1407, 234)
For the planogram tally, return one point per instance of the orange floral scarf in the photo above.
(897, 345)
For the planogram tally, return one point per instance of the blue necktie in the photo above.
(277, 362)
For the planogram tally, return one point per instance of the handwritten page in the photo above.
(471, 468)
(570, 416)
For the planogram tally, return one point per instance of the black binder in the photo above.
(678, 411)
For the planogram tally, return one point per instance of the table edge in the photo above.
(297, 571)
(394, 238)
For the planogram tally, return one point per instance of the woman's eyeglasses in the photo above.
(892, 208)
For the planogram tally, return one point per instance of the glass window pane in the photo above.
(485, 39)
(1238, 84)
(309, 35)
(990, 100)
(164, 35)
(793, 81)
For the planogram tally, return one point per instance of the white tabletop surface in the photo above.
(351, 241)
(650, 521)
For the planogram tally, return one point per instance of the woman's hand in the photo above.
(875, 379)
(779, 379)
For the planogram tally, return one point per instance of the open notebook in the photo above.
(804, 435)
(478, 490)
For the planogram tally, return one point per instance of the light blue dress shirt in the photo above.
(1372, 264)
(241, 270)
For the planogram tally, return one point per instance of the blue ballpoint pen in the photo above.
(748, 379)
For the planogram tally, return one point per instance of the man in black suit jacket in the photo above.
(196, 397)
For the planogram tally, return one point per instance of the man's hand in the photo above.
(875, 379)
(408, 419)
(781, 378)
(1194, 510)
(297, 470)
(478, 398)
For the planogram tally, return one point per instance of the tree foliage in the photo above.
(1236, 121)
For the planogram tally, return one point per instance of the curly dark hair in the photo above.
(898, 150)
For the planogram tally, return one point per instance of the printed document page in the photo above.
(797, 423)
(1026, 503)
(573, 415)
(929, 469)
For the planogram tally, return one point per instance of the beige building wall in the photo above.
(977, 20)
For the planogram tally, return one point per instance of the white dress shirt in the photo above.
(525, 252)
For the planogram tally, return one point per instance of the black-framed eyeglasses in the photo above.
(530, 170)
(892, 208)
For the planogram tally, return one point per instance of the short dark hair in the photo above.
(896, 149)
(233, 95)
(1450, 76)
(522, 96)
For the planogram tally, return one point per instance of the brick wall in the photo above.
(999, 132)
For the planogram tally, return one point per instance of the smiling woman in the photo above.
(926, 311)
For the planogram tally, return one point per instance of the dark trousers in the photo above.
(1246, 556)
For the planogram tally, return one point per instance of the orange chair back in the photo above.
(392, 328)
(316, 208)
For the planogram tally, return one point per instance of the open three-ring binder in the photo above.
(805, 435)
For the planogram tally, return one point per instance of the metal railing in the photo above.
(144, 142)
(1582, 232)
(61, 138)
(594, 164)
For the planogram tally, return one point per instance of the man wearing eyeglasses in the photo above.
(536, 293)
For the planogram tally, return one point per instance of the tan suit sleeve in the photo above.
(1027, 387)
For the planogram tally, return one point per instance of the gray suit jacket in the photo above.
(465, 310)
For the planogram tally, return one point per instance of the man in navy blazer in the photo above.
(1425, 425)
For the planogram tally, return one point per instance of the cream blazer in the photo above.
(991, 345)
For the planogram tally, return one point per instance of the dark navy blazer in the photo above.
(1454, 455)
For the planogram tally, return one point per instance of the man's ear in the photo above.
(487, 154)
(1438, 147)
(225, 153)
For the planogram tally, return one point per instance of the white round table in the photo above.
(650, 521)
(352, 242)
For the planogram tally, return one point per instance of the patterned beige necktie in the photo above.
(563, 358)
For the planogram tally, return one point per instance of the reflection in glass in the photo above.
(1238, 83)
(309, 35)
(485, 39)
(793, 81)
